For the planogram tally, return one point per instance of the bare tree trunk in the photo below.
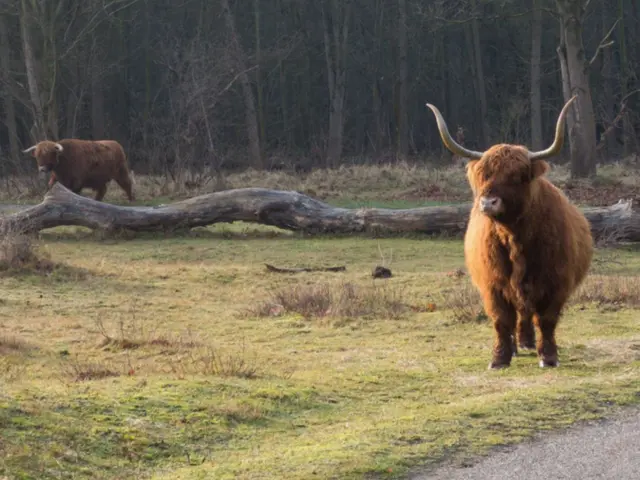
(97, 98)
(627, 128)
(607, 87)
(403, 116)
(251, 116)
(10, 113)
(536, 99)
(38, 131)
(574, 68)
(335, 48)
(262, 127)
(477, 55)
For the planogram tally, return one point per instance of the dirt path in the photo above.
(608, 449)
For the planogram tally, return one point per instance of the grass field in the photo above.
(182, 357)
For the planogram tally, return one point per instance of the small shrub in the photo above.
(131, 333)
(325, 300)
(80, 371)
(19, 252)
(465, 303)
(211, 361)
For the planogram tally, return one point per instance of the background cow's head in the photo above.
(501, 178)
(46, 154)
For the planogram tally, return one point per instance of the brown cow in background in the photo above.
(527, 247)
(79, 164)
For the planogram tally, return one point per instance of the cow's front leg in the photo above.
(503, 315)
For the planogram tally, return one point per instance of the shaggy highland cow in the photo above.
(79, 164)
(527, 247)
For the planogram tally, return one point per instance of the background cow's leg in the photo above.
(526, 331)
(124, 180)
(504, 318)
(546, 321)
(100, 192)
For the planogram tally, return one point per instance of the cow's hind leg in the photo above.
(546, 321)
(526, 332)
(504, 317)
(124, 180)
(101, 192)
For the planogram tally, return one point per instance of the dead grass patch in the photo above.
(11, 344)
(212, 361)
(132, 332)
(328, 300)
(609, 290)
(617, 351)
(464, 303)
(20, 252)
(78, 370)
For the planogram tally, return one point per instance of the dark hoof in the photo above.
(498, 365)
(527, 346)
(549, 363)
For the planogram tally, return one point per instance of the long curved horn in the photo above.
(448, 141)
(556, 146)
(29, 149)
(59, 147)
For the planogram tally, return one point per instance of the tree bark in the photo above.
(403, 116)
(38, 131)
(288, 210)
(536, 99)
(97, 97)
(481, 90)
(251, 116)
(335, 50)
(9, 107)
(575, 79)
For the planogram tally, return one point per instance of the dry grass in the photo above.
(609, 290)
(78, 370)
(20, 252)
(464, 303)
(423, 181)
(211, 361)
(345, 300)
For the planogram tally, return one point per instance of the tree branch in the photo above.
(604, 43)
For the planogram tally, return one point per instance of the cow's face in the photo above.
(46, 154)
(501, 181)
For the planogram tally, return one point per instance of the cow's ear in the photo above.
(539, 168)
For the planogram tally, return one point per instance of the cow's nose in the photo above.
(489, 204)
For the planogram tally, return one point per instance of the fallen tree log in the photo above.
(288, 210)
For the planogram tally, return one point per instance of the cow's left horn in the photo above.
(59, 147)
(448, 141)
(29, 149)
(556, 146)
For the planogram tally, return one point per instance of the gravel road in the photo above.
(608, 449)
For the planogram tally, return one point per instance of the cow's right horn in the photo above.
(448, 141)
(29, 149)
(59, 147)
(556, 146)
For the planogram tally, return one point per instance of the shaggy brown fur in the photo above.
(528, 259)
(79, 164)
